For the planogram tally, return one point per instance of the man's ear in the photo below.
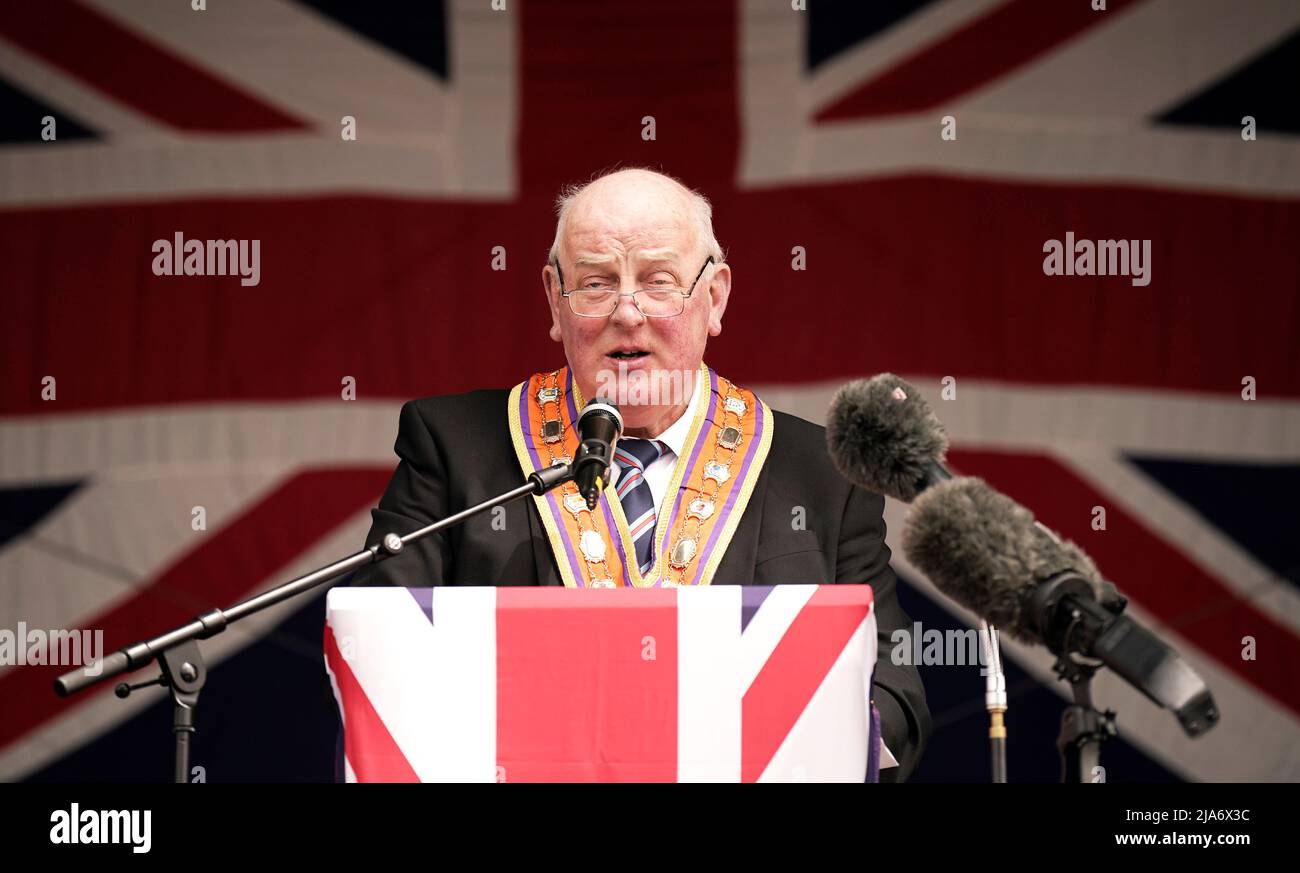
(551, 283)
(719, 292)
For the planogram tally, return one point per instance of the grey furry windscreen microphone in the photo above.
(987, 552)
(882, 435)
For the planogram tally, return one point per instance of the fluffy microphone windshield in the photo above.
(984, 550)
(883, 436)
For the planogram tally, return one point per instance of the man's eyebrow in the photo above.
(594, 261)
(657, 256)
(649, 256)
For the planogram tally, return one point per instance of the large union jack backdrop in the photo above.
(129, 401)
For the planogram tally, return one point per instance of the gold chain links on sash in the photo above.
(716, 471)
(552, 435)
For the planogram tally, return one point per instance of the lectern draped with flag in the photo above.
(719, 683)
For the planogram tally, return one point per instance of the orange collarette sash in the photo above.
(729, 438)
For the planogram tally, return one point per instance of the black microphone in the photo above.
(987, 552)
(882, 435)
(599, 427)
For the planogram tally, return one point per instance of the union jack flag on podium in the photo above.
(719, 684)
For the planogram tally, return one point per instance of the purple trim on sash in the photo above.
(424, 599)
(550, 495)
(700, 440)
(618, 540)
(751, 598)
(873, 746)
(740, 476)
(568, 399)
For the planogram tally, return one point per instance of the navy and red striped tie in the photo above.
(633, 456)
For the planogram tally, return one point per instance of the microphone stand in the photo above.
(995, 700)
(177, 650)
(1083, 728)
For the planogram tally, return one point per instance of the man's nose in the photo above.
(625, 312)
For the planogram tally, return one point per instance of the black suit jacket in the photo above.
(456, 451)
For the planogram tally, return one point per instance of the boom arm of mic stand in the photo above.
(182, 665)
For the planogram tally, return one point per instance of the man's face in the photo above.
(627, 232)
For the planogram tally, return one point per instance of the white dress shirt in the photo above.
(660, 471)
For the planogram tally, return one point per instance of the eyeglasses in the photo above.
(658, 301)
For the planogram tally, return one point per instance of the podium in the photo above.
(719, 684)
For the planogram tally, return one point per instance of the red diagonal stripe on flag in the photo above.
(370, 749)
(795, 670)
(989, 47)
(134, 70)
(225, 566)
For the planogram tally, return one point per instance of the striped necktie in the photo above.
(633, 456)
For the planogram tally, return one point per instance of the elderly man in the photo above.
(706, 478)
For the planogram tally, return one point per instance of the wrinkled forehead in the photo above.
(634, 222)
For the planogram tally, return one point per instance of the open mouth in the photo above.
(629, 355)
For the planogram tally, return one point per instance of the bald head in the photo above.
(631, 199)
